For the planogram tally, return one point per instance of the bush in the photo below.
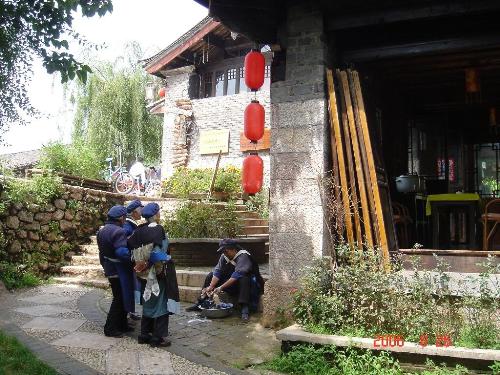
(17, 276)
(359, 298)
(187, 181)
(203, 220)
(259, 203)
(306, 359)
(41, 189)
(76, 159)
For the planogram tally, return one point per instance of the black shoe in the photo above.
(116, 334)
(195, 307)
(160, 344)
(144, 339)
(134, 316)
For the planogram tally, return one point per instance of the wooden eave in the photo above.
(156, 65)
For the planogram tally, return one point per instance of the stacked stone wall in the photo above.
(42, 235)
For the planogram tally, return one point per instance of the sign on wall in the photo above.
(213, 141)
(262, 144)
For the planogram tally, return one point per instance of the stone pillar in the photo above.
(166, 142)
(299, 154)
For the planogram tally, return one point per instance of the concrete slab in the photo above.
(54, 324)
(296, 333)
(43, 310)
(122, 362)
(86, 340)
(48, 299)
(155, 363)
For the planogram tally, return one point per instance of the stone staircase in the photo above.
(85, 268)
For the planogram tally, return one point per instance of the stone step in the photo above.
(255, 222)
(93, 240)
(85, 260)
(260, 236)
(191, 278)
(77, 280)
(261, 229)
(239, 207)
(247, 214)
(189, 293)
(88, 271)
(90, 249)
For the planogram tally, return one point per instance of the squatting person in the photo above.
(237, 274)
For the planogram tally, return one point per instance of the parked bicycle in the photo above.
(121, 180)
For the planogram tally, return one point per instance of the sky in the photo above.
(153, 23)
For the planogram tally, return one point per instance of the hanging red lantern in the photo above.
(472, 84)
(252, 174)
(161, 92)
(254, 121)
(255, 65)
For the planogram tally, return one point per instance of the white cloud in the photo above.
(152, 23)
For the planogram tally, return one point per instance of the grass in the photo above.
(327, 360)
(14, 277)
(15, 359)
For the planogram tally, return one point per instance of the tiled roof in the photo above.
(185, 37)
(24, 159)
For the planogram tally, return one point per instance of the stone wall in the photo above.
(299, 154)
(224, 112)
(43, 235)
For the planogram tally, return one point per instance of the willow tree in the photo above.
(111, 113)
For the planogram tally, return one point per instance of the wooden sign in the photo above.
(214, 141)
(263, 144)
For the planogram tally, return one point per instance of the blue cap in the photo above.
(133, 205)
(116, 212)
(228, 243)
(150, 210)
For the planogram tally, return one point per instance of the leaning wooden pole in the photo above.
(337, 136)
(373, 173)
(358, 163)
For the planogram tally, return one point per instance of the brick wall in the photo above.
(224, 112)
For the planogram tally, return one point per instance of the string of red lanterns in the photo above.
(252, 174)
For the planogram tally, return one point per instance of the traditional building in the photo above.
(414, 121)
(205, 97)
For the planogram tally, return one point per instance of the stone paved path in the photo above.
(63, 324)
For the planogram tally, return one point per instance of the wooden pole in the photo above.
(344, 94)
(358, 163)
(334, 121)
(373, 173)
(214, 176)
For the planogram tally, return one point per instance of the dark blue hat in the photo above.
(150, 210)
(116, 212)
(133, 205)
(228, 243)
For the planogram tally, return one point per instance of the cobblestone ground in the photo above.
(70, 320)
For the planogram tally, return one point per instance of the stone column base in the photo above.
(277, 301)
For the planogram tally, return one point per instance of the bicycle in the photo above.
(121, 180)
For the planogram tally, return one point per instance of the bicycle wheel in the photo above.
(124, 183)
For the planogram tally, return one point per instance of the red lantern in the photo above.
(255, 65)
(161, 92)
(252, 174)
(254, 121)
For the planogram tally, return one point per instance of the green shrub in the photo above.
(187, 181)
(202, 220)
(41, 189)
(76, 159)
(259, 203)
(360, 299)
(306, 359)
(17, 276)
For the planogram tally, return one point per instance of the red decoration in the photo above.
(255, 65)
(252, 174)
(254, 121)
(161, 92)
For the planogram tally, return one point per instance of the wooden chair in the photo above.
(490, 217)
(402, 219)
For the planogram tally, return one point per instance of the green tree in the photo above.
(38, 28)
(111, 111)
